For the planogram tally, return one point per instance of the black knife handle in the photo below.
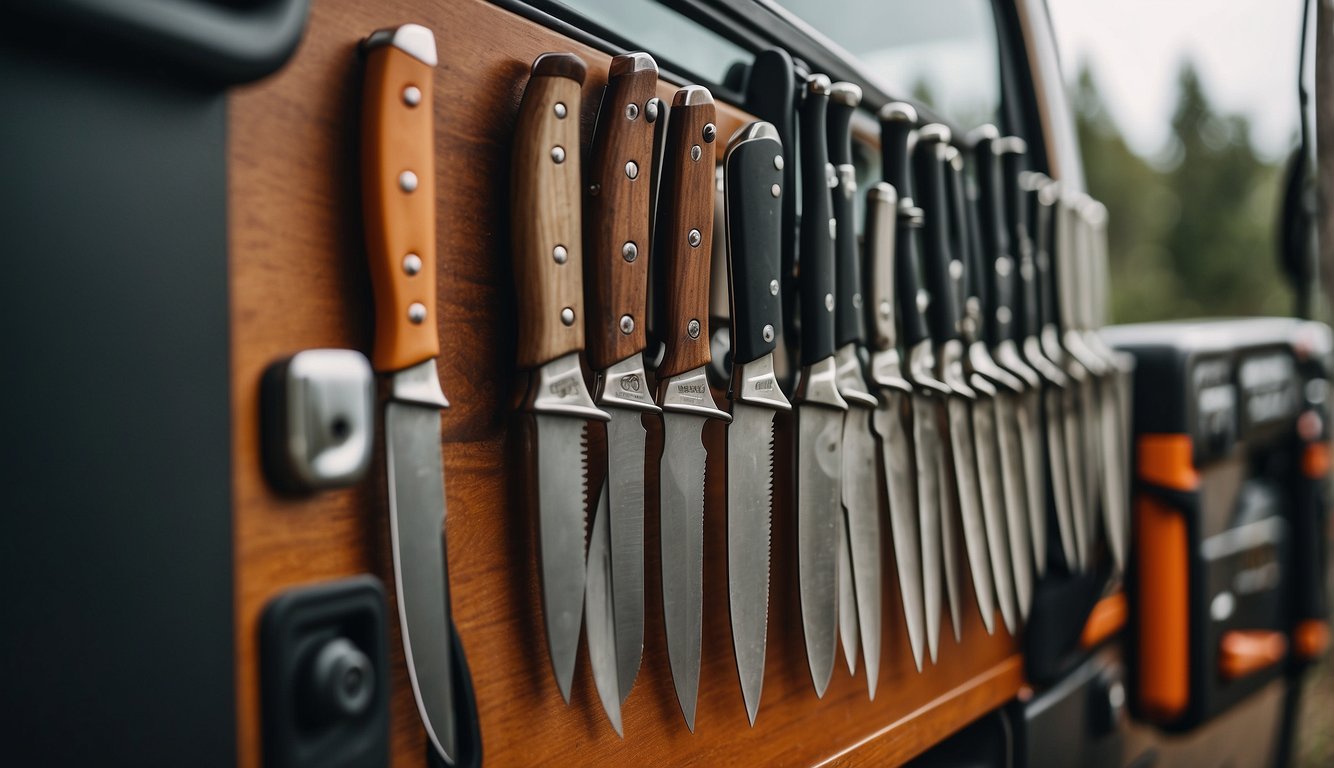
(969, 289)
(897, 120)
(1043, 197)
(1012, 151)
(753, 191)
(848, 326)
(771, 96)
(882, 211)
(998, 268)
(817, 229)
(942, 312)
(909, 291)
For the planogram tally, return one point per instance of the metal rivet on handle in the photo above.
(829, 301)
(631, 111)
(923, 300)
(710, 131)
(412, 264)
(885, 309)
(833, 229)
(412, 95)
(407, 181)
(775, 190)
(778, 162)
(856, 301)
(1003, 315)
(558, 154)
(627, 324)
(560, 110)
(560, 254)
(956, 269)
(567, 316)
(629, 251)
(694, 238)
(696, 153)
(651, 110)
(768, 333)
(417, 312)
(632, 169)
(1003, 266)
(692, 328)
(773, 287)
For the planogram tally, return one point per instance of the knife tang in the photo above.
(548, 253)
(754, 193)
(398, 194)
(942, 272)
(817, 226)
(849, 327)
(619, 187)
(683, 239)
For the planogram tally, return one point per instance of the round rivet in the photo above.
(856, 301)
(696, 153)
(692, 328)
(560, 254)
(567, 316)
(629, 251)
(558, 154)
(651, 110)
(407, 181)
(885, 309)
(694, 238)
(627, 324)
(956, 269)
(412, 95)
(560, 110)
(833, 229)
(710, 132)
(417, 312)
(412, 264)
(767, 333)
(923, 301)
(632, 169)
(594, 189)
(829, 301)
(631, 111)
(778, 162)
(775, 190)
(1003, 315)
(1003, 266)
(773, 287)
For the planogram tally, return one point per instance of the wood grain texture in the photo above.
(683, 236)
(299, 280)
(545, 195)
(617, 211)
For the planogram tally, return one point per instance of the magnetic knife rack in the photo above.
(298, 280)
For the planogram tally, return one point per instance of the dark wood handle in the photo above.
(548, 260)
(684, 236)
(619, 194)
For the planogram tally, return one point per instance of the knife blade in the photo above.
(819, 405)
(617, 206)
(971, 501)
(683, 242)
(753, 183)
(897, 121)
(861, 496)
(548, 266)
(398, 196)
(599, 611)
(893, 416)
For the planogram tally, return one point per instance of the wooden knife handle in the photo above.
(548, 254)
(684, 236)
(398, 194)
(619, 195)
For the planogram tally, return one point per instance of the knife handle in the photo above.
(882, 204)
(683, 239)
(929, 165)
(753, 192)
(548, 254)
(970, 291)
(1012, 154)
(817, 226)
(848, 325)
(771, 96)
(897, 120)
(1042, 195)
(398, 193)
(619, 188)
(998, 270)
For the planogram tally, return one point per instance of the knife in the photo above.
(893, 416)
(992, 411)
(928, 393)
(1010, 209)
(548, 266)
(683, 241)
(398, 198)
(617, 207)
(944, 273)
(861, 494)
(754, 189)
(818, 402)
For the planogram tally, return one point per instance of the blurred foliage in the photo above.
(1192, 231)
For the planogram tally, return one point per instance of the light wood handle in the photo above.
(545, 210)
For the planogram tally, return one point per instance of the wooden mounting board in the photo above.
(299, 280)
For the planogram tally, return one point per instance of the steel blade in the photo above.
(1016, 502)
(416, 526)
(625, 484)
(969, 491)
(1090, 417)
(930, 503)
(819, 434)
(750, 445)
(861, 502)
(1054, 419)
(900, 477)
(847, 599)
(1030, 446)
(561, 464)
(1113, 484)
(681, 530)
(601, 627)
(1074, 463)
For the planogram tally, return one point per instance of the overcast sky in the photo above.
(1246, 52)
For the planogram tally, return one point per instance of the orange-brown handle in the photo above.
(683, 240)
(619, 190)
(398, 194)
(544, 207)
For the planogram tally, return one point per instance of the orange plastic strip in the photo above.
(1315, 460)
(1106, 619)
(1167, 460)
(1247, 651)
(1311, 639)
(1164, 602)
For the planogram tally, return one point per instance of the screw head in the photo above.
(558, 154)
(629, 251)
(767, 333)
(651, 110)
(407, 181)
(773, 287)
(632, 169)
(560, 110)
(692, 328)
(627, 324)
(694, 238)
(829, 301)
(559, 254)
(417, 313)
(631, 111)
(775, 190)
(412, 264)
(696, 153)
(710, 132)
(567, 316)
(412, 95)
